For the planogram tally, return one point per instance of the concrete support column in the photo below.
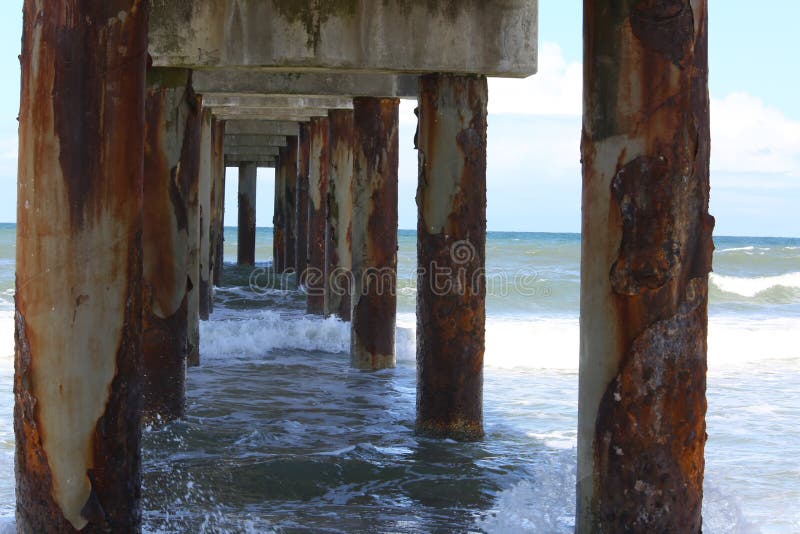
(289, 164)
(246, 251)
(204, 204)
(451, 234)
(301, 201)
(374, 232)
(278, 218)
(339, 252)
(317, 214)
(165, 242)
(77, 384)
(646, 255)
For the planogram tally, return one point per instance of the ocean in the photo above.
(281, 435)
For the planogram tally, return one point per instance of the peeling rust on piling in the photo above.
(374, 234)
(451, 292)
(317, 215)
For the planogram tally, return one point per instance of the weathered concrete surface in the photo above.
(288, 160)
(236, 81)
(165, 244)
(260, 127)
(77, 384)
(235, 161)
(314, 280)
(646, 257)
(374, 232)
(246, 251)
(271, 114)
(255, 140)
(224, 100)
(451, 237)
(204, 202)
(217, 207)
(301, 201)
(259, 152)
(339, 255)
(278, 219)
(393, 36)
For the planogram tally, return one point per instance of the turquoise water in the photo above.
(281, 435)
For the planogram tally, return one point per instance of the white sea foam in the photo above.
(750, 287)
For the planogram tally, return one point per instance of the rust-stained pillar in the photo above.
(247, 214)
(77, 385)
(301, 201)
(190, 170)
(340, 214)
(217, 205)
(278, 217)
(374, 232)
(204, 204)
(289, 164)
(451, 243)
(317, 214)
(170, 112)
(646, 255)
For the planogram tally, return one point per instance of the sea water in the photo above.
(281, 435)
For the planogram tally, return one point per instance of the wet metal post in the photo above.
(190, 171)
(289, 164)
(278, 221)
(217, 205)
(340, 214)
(204, 202)
(646, 255)
(451, 242)
(374, 232)
(301, 201)
(165, 242)
(317, 214)
(246, 251)
(77, 384)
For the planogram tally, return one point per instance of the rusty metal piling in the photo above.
(646, 255)
(77, 384)
(317, 215)
(246, 251)
(338, 278)
(289, 164)
(204, 204)
(278, 217)
(451, 242)
(301, 201)
(374, 232)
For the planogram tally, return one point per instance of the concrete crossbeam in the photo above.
(261, 127)
(275, 114)
(235, 161)
(260, 82)
(269, 151)
(394, 36)
(220, 100)
(255, 140)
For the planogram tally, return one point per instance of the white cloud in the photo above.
(747, 136)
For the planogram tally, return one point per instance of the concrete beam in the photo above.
(261, 127)
(255, 140)
(392, 36)
(645, 258)
(222, 100)
(262, 151)
(270, 114)
(246, 82)
(236, 161)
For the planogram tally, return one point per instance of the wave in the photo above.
(752, 287)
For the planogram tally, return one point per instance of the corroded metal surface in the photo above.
(165, 244)
(289, 206)
(317, 215)
(217, 205)
(77, 385)
(246, 251)
(190, 171)
(301, 200)
(451, 234)
(374, 232)
(279, 215)
(646, 257)
(339, 256)
(204, 203)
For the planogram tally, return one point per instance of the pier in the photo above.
(131, 111)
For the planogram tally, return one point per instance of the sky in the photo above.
(533, 175)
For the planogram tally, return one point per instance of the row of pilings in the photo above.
(120, 195)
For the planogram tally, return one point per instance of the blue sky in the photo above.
(534, 126)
